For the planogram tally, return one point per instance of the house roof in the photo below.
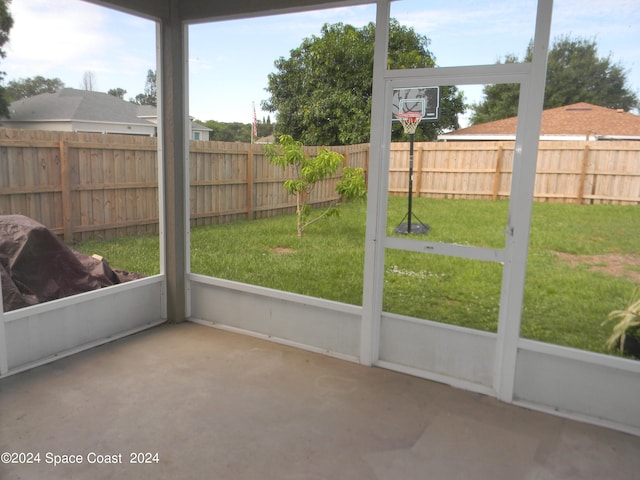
(580, 120)
(69, 104)
(145, 111)
(199, 127)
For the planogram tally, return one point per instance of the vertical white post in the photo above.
(162, 223)
(377, 197)
(4, 361)
(173, 138)
(521, 206)
(186, 147)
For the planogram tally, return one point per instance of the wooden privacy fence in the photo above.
(85, 185)
(80, 184)
(567, 171)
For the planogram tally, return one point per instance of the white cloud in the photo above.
(65, 38)
(56, 32)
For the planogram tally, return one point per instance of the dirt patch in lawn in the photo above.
(282, 250)
(619, 265)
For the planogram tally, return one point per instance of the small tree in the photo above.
(117, 92)
(32, 86)
(88, 81)
(308, 172)
(150, 95)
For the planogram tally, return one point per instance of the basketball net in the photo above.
(409, 121)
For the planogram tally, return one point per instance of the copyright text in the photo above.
(55, 459)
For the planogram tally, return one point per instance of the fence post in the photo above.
(250, 183)
(366, 164)
(418, 171)
(65, 175)
(496, 175)
(583, 174)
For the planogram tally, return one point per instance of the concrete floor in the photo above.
(217, 405)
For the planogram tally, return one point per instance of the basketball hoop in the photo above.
(409, 121)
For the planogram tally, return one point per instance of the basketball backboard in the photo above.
(425, 100)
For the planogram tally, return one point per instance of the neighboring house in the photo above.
(199, 132)
(580, 121)
(71, 110)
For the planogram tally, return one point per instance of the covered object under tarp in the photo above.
(36, 266)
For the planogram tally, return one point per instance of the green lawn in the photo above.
(564, 303)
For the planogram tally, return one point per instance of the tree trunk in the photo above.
(299, 208)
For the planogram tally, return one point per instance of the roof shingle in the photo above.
(577, 119)
(69, 104)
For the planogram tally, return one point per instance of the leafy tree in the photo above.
(308, 172)
(118, 92)
(575, 74)
(29, 87)
(236, 131)
(229, 132)
(265, 127)
(322, 92)
(501, 100)
(150, 95)
(6, 23)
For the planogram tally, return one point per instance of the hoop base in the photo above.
(416, 229)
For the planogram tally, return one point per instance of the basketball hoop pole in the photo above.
(410, 199)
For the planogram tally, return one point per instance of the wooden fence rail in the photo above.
(101, 186)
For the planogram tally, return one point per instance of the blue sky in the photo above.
(229, 61)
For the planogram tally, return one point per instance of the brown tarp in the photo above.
(36, 266)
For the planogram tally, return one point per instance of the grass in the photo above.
(135, 254)
(326, 262)
(563, 304)
(567, 305)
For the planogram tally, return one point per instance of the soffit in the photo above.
(197, 11)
